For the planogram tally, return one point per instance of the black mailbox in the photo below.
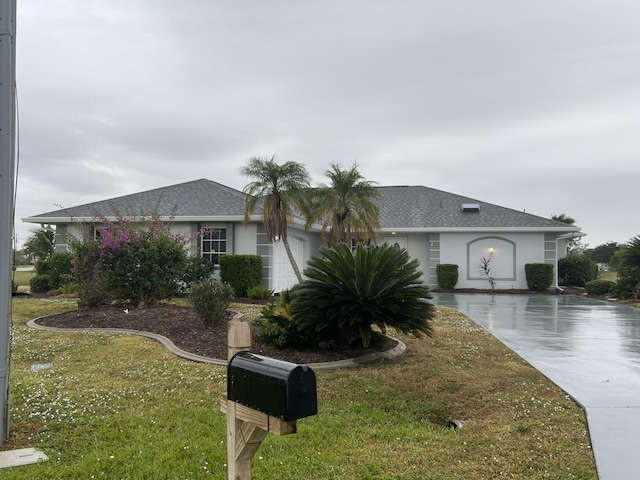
(281, 389)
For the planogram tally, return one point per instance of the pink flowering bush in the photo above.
(130, 260)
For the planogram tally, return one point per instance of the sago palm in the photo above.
(280, 190)
(345, 208)
(345, 294)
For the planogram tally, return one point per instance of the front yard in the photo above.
(117, 406)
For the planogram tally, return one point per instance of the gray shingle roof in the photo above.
(417, 207)
(401, 207)
(191, 199)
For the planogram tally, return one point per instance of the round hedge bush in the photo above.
(40, 283)
(600, 287)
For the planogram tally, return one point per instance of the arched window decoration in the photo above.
(501, 252)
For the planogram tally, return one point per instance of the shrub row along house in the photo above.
(434, 226)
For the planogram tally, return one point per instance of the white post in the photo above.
(7, 195)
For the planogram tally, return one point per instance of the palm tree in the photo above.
(564, 218)
(631, 254)
(40, 244)
(346, 207)
(280, 190)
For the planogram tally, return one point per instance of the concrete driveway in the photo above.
(589, 348)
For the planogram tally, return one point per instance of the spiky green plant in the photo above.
(347, 294)
(259, 292)
(631, 255)
(277, 327)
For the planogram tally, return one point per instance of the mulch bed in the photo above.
(183, 327)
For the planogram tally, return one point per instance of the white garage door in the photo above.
(283, 274)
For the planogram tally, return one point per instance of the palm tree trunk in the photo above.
(292, 260)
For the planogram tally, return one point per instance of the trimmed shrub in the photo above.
(259, 292)
(241, 272)
(198, 268)
(447, 275)
(577, 270)
(348, 293)
(40, 283)
(210, 300)
(58, 267)
(628, 285)
(600, 287)
(539, 275)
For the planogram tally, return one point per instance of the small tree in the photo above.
(346, 207)
(603, 253)
(631, 254)
(577, 270)
(210, 300)
(629, 274)
(39, 245)
(573, 244)
(628, 284)
(136, 260)
(279, 189)
(563, 218)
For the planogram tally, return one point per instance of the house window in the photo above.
(213, 243)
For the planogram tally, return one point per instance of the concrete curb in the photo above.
(390, 354)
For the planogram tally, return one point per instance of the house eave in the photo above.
(164, 218)
(559, 230)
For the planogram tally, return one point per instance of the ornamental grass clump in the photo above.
(210, 300)
(259, 292)
(348, 294)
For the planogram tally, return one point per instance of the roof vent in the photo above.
(470, 207)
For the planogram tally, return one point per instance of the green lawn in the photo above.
(612, 276)
(21, 278)
(117, 406)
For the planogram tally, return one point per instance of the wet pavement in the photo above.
(589, 348)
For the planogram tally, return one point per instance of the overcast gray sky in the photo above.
(530, 105)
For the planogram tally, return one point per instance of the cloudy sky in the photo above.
(529, 105)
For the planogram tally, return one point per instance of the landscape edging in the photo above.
(390, 354)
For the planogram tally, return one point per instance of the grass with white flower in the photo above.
(118, 406)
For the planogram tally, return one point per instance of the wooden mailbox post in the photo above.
(246, 426)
